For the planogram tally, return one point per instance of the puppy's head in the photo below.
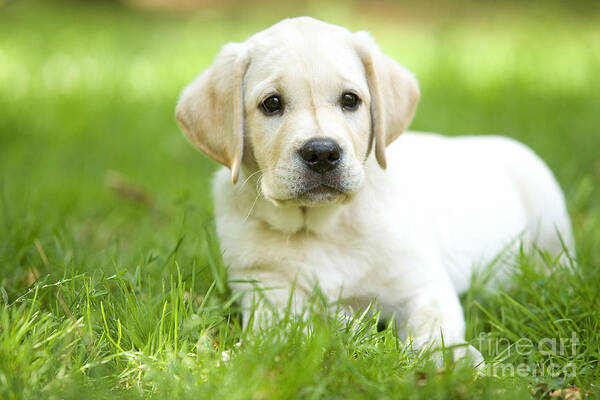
(300, 104)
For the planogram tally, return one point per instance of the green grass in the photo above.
(111, 280)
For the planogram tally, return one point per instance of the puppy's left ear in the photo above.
(394, 94)
(210, 110)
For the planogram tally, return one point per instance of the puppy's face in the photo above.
(300, 104)
(308, 120)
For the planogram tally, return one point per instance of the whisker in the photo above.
(251, 208)
(248, 178)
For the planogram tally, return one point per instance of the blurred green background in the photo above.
(88, 88)
(96, 180)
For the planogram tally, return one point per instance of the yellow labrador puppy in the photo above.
(322, 188)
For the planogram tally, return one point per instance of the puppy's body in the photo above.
(443, 208)
(304, 124)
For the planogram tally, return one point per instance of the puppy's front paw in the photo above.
(458, 353)
(436, 322)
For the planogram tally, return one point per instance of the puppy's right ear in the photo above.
(210, 110)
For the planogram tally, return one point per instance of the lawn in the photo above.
(111, 279)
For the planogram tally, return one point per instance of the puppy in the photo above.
(323, 188)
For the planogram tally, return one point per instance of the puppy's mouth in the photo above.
(321, 193)
(321, 190)
(315, 195)
(312, 190)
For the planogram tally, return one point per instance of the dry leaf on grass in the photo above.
(570, 393)
(125, 188)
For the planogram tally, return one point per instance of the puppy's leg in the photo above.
(435, 316)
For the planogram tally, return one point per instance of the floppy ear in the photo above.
(210, 110)
(394, 94)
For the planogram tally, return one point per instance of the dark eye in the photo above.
(350, 101)
(272, 105)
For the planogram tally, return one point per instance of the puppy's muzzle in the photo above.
(321, 154)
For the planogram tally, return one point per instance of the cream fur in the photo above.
(410, 235)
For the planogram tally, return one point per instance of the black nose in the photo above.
(321, 154)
